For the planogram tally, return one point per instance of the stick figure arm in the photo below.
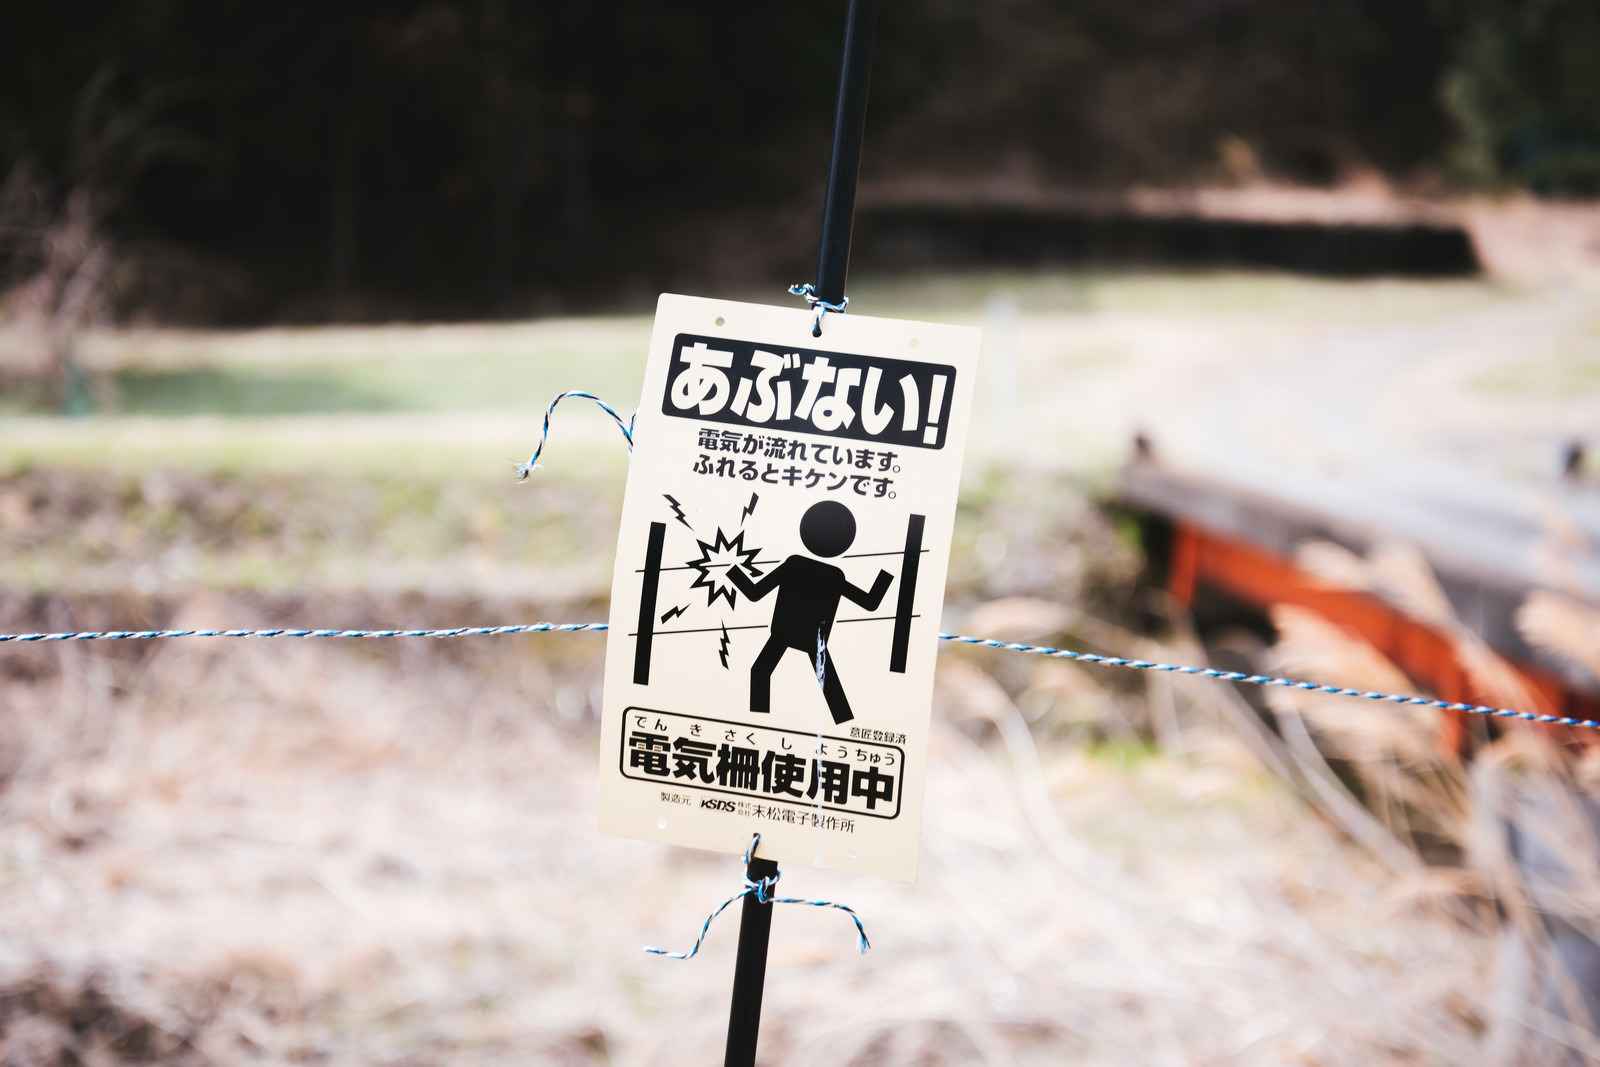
(756, 590)
(870, 598)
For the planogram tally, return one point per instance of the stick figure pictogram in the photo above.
(808, 599)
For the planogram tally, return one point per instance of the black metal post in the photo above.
(749, 970)
(849, 120)
(833, 264)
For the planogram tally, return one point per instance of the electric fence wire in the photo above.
(965, 639)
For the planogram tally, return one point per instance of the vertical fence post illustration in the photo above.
(647, 604)
(833, 263)
(910, 561)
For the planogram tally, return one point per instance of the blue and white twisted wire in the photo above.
(763, 891)
(1270, 680)
(544, 434)
(985, 642)
(454, 631)
(821, 306)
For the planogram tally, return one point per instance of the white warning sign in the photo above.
(779, 578)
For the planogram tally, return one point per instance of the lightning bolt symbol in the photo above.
(749, 510)
(673, 613)
(723, 652)
(677, 509)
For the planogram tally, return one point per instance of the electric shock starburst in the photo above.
(717, 559)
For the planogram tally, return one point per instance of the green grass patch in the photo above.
(1573, 372)
(1125, 753)
(423, 384)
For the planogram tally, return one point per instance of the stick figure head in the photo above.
(827, 528)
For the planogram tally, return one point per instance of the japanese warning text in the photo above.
(867, 398)
(758, 762)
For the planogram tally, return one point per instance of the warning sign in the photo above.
(779, 578)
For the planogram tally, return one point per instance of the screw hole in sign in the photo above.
(913, 342)
(661, 824)
(721, 321)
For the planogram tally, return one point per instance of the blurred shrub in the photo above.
(1523, 87)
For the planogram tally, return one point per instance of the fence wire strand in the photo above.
(965, 639)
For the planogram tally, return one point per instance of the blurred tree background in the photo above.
(230, 162)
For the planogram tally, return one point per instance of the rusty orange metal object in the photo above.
(1201, 557)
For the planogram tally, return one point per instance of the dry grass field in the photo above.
(220, 851)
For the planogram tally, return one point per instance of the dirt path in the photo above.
(1441, 419)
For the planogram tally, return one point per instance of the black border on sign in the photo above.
(677, 783)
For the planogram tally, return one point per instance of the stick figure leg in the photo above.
(832, 691)
(761, 674)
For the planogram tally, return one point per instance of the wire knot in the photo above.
(821, 306)
(763, 891)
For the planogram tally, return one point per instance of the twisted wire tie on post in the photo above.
(821, 306)
(763, 891)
